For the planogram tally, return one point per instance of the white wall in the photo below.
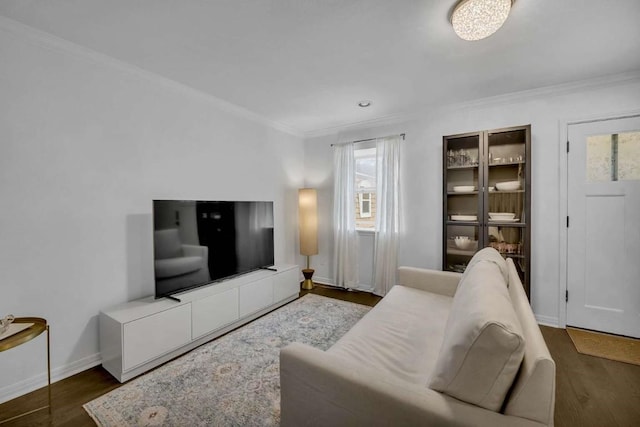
(421, 166)
(85, 144)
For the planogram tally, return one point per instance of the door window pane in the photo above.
(599, 158)
(629, 156)
(614, 157)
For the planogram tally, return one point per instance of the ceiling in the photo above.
(305, 64)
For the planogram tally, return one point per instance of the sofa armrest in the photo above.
(436, 281)
(321, 389)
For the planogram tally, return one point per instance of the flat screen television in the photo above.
(197, 242)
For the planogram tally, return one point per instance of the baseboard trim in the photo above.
(329, 282)
(547, 321)
(324, 281)
(31, 384)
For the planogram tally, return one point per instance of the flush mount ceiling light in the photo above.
(478, 19)
(364, 104)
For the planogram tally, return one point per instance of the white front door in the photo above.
(603, 254)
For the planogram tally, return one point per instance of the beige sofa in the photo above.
(440, 349)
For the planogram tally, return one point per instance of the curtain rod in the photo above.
(371, 139)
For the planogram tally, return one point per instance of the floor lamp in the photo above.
(308, 223)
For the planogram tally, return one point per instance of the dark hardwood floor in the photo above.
(590, 391)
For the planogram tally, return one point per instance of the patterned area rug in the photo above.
(613, 347)
(231, 381)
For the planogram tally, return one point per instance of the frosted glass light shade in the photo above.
(478, 19)
(308, 221)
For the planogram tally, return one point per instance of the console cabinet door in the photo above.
(214, 312)
(286, 284)
(147, 338)
(256, 296)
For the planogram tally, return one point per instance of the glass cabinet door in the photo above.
(507, 195)
(505, 171)
(462, 201)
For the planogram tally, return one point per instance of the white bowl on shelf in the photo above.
(463, 188)
(501, 215)
(463, 242)
(464, 217)
(508, 185)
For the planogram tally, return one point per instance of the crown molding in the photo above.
(391, 119)
(64, 46)
(58, 44)
(498, 100)
(560, 89)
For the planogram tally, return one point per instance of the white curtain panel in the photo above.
(345, 237)
(387, 215)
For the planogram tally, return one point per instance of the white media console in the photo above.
(140, 335)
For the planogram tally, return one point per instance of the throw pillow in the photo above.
(483, 345)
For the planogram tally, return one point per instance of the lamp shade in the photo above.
(308, 221)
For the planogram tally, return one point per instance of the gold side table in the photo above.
(39, 326)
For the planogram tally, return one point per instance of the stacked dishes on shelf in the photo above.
(503, 217)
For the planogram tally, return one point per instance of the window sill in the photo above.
(365, 230)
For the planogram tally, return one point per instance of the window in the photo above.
(614, 157)
(365, 159)
(365, 205)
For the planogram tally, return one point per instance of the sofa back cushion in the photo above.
(166, 244)
(534, 389)
(483, 344)
(488, 255)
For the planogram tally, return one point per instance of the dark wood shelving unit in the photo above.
(483, 159)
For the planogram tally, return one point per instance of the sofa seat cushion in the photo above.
(401, 336)
(483, 345)
(172, 267)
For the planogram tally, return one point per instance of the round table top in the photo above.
(38, 327)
